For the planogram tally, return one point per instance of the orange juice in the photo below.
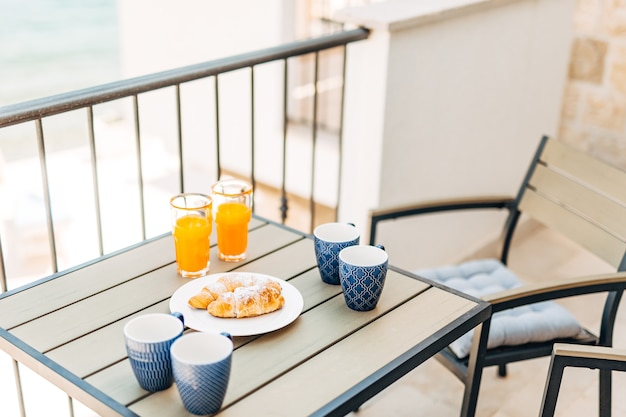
(192, 234)
(232, 230)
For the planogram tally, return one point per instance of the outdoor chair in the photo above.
(572, 193)
(565, 355)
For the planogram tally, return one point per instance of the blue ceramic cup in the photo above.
(148, 340)
(201, 363)
(362, 272)
(330, 239)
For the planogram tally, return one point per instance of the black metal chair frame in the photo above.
(563, 356)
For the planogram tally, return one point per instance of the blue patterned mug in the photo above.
(201, 363)
(362, 272)
(148, 339)
(330, 239)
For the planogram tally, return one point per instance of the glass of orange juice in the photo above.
(232, 207)
(191, 227)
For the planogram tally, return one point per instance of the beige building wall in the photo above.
(593, 115)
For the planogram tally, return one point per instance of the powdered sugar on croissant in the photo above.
(239, 295)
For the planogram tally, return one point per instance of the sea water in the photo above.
(49, 47)
(54, 46)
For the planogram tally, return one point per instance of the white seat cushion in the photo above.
(537, 322)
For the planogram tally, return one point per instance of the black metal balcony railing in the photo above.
(36, 111)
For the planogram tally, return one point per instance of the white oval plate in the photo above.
(199, 319)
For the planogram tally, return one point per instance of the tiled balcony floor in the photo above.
(431, 390)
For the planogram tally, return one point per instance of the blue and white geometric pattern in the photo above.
(151, 363)
(362, 285)
(327, 254)
(202, 387)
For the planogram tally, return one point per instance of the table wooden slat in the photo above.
(76, 320)
(354, 358)
(290, 261)
(91, 314)
(272, 354)
(22, 306)
(108, 339)
(119, 302)
(119, 377)
(313, 293)
(98, 350)
(313, 332)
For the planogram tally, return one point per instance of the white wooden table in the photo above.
(68, 328)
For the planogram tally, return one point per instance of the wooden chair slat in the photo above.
(603, 244)
(603, 177)
(586, 202)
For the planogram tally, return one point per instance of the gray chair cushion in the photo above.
(537, 322)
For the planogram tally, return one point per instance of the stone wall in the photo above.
(593, 116)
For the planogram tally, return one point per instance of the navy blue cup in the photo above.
(201, 364)
(148, 340)
(362, 272)
(329, 240)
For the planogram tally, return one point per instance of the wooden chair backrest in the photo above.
(581, 197)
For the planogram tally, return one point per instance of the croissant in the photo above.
(239, 296)
(202, 299)
(216, 288)
(225, 306)
(251, 302)
(210, 293)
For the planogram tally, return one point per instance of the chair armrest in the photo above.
(589, 352)
(578, 356)
(550, 290)
(434, 206)
(497, 201)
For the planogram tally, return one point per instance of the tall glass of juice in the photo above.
(191, 227)
(232, 207)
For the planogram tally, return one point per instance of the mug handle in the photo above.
(179, 316)
(380, 247)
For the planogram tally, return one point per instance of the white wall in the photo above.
(158, 35)
(446, 98)
(450, 98)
